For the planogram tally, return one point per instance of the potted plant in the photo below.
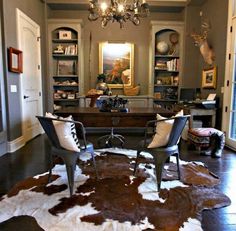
(101, 78)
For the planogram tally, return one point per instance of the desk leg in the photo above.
(213, 120)
(191, 122)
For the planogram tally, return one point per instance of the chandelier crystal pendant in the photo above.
(118, 11)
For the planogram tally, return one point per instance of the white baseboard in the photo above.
(14, 145)
(230, 147)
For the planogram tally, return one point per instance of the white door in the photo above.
(31, 87)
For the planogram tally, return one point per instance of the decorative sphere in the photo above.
(63, 95)
(162, 47)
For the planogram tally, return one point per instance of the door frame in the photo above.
(3, 133)
(19, 15)
(229, 69)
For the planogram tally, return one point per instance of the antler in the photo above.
(200, 40)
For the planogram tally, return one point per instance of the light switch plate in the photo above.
(13, 88)
(222, 90)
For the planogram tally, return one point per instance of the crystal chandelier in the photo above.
(118, 11)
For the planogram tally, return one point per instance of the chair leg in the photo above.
(50, 168)
(158, 167)
(70, 175)
(136, 161)
(94, 164)
(178, 168)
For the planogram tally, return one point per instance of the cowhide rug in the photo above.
(118, 200)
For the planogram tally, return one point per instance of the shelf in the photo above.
(61, 85)
(164, 70)
(65, 40)
(64, 56)
(166, 61)
(166, 100)
(64, 100)
(65, 71)
(65, 76)
(160, 85)
(167, 56)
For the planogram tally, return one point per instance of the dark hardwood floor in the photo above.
(32, 159)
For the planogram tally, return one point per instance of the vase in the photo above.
(102, 86)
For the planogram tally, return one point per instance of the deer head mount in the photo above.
(200, 40)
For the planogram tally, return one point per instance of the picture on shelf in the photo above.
(64, 34)
(165, 80)
(56, 96)
(71, 96)
(66, 67)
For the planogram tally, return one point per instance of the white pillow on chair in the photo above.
(163, 130)
(66, 133)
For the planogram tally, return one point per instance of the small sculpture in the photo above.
(115, 104)
(59, 50)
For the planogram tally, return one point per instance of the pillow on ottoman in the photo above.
(163, 130)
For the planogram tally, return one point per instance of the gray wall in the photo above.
(216, 11)
(35, 10)
(139, 35)
(191, 72)
(3, 136)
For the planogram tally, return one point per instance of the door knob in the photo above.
(26, 96)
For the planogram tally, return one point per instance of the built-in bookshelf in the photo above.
(166, 57)
(65, 62)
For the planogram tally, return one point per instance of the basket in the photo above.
(131, 91)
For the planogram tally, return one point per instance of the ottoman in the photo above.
(202, 138)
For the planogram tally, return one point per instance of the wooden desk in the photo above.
(92, 117)
(202, 112)
(199, 113)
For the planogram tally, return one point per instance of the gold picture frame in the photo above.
(209, 78)
(116, 61)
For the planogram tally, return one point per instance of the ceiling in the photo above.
(155, 5)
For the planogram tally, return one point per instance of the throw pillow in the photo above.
(66, 133)
(163, 130)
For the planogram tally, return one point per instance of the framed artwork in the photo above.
(116, 61)
(15, 60)
(209, 78)
(64, 34)
(66, 67)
